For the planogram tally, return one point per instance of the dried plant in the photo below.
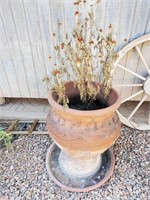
(84, 57)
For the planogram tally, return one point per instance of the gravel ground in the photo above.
(23, 173)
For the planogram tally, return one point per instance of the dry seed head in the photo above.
(55, 72)
(80, 39)
(46, 79)
(62, 45)
(77, 3)
(76, 13)
(110, 26)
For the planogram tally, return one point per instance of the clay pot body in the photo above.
(83, 135)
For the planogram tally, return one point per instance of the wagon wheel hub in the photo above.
(146, 86)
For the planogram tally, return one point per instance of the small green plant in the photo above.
(85, 56)
(6, 137)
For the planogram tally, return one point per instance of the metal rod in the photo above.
(31, 129)
(12, 126)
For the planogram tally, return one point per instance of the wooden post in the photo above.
(2, 100)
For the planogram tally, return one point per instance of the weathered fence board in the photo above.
(20, 22)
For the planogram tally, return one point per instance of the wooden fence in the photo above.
(26, 28)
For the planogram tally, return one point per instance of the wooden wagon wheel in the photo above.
(132, 80)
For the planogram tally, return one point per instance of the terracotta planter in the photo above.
(83, 135)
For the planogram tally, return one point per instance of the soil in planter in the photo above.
(76, 103)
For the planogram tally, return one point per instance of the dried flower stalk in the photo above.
(83, 57)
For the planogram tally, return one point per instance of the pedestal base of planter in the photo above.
(79, 168)
(79, 184)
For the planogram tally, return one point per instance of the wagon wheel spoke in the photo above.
(143, 59)
(132, 96)
(138, 105)
(131, 72)
(129, 89)
(128, 85)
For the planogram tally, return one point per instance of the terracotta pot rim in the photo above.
(98, 112)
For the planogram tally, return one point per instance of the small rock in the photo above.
(11, 167)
